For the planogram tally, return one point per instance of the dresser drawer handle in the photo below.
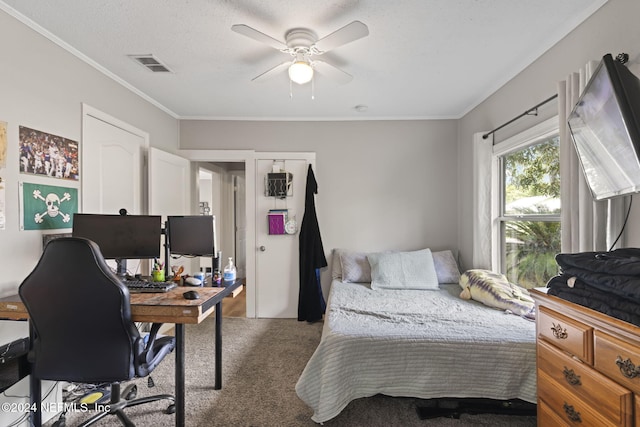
(559, 332)
(571, 376)
(627, 368)
(572, 414)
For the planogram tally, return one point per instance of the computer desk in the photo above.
(166, 307)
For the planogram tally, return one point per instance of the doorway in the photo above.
(249, 159)
(221, 192)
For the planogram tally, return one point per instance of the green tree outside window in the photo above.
(531, 229)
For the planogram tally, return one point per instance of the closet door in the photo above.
(277, 256)
(111, 164)
(169, 190)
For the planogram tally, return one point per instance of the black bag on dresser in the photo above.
(607, 281)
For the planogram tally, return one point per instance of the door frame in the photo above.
(249, 158)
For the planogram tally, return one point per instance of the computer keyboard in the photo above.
(136, 285)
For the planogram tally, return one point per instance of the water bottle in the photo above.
(229, 272)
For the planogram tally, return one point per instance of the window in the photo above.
(527, 226)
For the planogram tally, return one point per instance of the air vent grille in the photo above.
(151, 63)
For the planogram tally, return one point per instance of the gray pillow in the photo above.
(446, 267)
(403, 270)
(355, 267)
(336, 267)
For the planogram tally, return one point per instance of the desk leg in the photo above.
(35, 397)
(35, 389)
(180, 400)
(218, 368)
(36, 393)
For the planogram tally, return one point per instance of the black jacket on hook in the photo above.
(311, 303)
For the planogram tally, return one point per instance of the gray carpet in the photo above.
(262, 360)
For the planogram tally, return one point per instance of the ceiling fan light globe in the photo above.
(300, 72)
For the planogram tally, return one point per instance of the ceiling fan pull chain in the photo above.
(290, 89)
(313, 88)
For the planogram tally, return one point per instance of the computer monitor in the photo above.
(192, 235)
(121, 237)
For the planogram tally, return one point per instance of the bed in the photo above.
(415, 343)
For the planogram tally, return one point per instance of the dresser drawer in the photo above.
(547, 418)
(612, 400)
(618, 360)
(566, 334)
(568, 406)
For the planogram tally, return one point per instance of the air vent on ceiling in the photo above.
(151, 63)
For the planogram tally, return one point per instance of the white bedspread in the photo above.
(421, 344)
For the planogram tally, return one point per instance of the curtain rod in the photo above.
(529, 111)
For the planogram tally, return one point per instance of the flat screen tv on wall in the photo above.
(605, 128)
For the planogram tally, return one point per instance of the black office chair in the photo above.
(81, 325)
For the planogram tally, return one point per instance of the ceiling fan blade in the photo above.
(252, 33)
(272, 71)
(332, 72)
(350, 32)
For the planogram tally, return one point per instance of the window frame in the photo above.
(528, 137)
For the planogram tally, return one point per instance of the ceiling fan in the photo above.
(302, 44)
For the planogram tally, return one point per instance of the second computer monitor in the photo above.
(192, 235)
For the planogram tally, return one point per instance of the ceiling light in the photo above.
(301, 72)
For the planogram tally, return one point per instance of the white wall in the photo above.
(612, 29)
(381, 184)
(43, 87)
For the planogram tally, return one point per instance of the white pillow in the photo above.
(446, 267)
(403, 270)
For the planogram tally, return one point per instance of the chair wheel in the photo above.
(171, 409)
(131, 392)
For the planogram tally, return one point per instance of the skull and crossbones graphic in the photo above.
(53, 202)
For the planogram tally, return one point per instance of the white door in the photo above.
(169, 184)
(277, 279)
(111, 164)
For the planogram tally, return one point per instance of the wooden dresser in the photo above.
(588, 366)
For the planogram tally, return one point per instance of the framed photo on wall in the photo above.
(48, 155)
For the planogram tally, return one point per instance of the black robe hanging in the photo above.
(311, 303)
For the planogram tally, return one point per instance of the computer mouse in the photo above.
(191, 295)
(192, 281)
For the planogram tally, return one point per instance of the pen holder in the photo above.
(157, 275)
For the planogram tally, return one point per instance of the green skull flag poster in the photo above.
(47, 207)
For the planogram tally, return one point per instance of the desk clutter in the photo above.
(184, 236)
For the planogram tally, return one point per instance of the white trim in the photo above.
(88, 110)
(75, 52)
(218, 155)
(527, 137)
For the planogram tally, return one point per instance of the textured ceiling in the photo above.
(421, 59)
